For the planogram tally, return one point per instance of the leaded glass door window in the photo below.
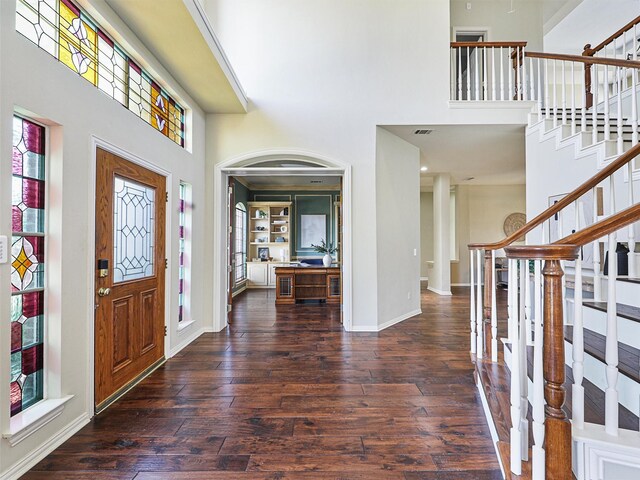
(133, 227)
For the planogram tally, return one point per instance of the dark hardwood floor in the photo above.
(285, 393)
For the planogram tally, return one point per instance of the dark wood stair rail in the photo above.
(557, 425)
(602, 175)
(590, 52)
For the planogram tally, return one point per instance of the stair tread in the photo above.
(624, 311)
(628, 280)
(594, 398)
(595, 345)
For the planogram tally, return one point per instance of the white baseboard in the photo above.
(439, 292)
(378, 328)
(492, 427)
(399, 319)
(175, 350)
(460, 284)
(239, 291)
(424, 279)
(44, 449)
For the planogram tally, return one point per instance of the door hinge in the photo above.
(229, 268)
(229, 308)
(166, 263)
(165, 331)
(167, 197)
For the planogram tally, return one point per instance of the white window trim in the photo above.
(34, 418)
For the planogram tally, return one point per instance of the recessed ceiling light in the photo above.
(423, 169)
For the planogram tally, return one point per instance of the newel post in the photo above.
(557, 426)
(588, 52)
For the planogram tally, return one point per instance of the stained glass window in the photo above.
(27, 264)
(133, 230)
(64, 30)
(240, 250)
(182, 234)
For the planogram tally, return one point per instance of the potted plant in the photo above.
(328, 249)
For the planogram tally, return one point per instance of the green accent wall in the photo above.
(303, 202)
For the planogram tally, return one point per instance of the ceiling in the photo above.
(179, 36)
(306, 182)
(491, 154)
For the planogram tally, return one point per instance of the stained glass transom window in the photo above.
(134, 230)
(27, 264)
(66, 32)
(182, 248)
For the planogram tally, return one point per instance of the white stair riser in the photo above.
(626, 292)
(596, 321)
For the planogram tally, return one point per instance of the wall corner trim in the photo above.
(175, 350)
(399, 319)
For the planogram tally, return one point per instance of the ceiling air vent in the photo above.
(422, 132)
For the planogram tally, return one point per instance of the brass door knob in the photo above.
(103, 292)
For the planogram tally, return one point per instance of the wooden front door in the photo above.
(130, 273)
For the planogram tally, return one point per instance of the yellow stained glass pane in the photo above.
(159, 109)
(78, 42)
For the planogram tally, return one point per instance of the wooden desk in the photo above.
(307, 283)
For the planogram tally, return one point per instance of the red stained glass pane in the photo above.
(37, 243)
(33, 193)
(71, 6)
(32, 359)
(16, 219)
(16, 168)
(32, 304)
(33, 136)
(16, 398)
(16, 336)
(181, 286)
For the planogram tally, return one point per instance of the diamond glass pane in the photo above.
(139, 93)
(112, 69)
(27, 265)
(176, 123)
(134, 230)
(159, 109)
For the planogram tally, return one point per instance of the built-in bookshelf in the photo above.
(270, 229)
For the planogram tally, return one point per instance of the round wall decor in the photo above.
(513, 223)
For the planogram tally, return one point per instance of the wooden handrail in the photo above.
(615, 62)
(592, 51)
(488, 44)
(603, 174)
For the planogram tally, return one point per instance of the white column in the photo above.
(472, 301)
(441, 283)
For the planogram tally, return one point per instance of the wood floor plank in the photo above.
(285, 393)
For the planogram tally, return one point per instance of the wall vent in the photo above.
(422, 132)
(316, 181)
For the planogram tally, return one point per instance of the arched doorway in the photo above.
(275, 163)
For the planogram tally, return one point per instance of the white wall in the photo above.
(30, 79)
(525, 23)
(426, 232)
(398, 228)
(321, 76)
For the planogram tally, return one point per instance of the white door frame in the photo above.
(241, 166)
(96, 143)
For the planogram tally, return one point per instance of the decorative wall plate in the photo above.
(513, 223)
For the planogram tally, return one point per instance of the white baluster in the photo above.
(516, 415)
(532, 83)
(631, 234)
(555, 94)
(512, 285)
(501, 74)
(611, 349)
(573, 98)
(494, 310)
(537, 451)
(477, 74)
(452, 73)
(494, 95)
(468, 73)
(459, 53)
(634, 94)
(619, 144)
(527, 309)
(577, 397)
(547, 90)
(524, 379)
(583, 127)
(564, 93)
(607, 106)
(485, 83)
(520, 74)
(479, 308)
(540, 86)
(594, 108)
(597, 279)
(472, 301)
